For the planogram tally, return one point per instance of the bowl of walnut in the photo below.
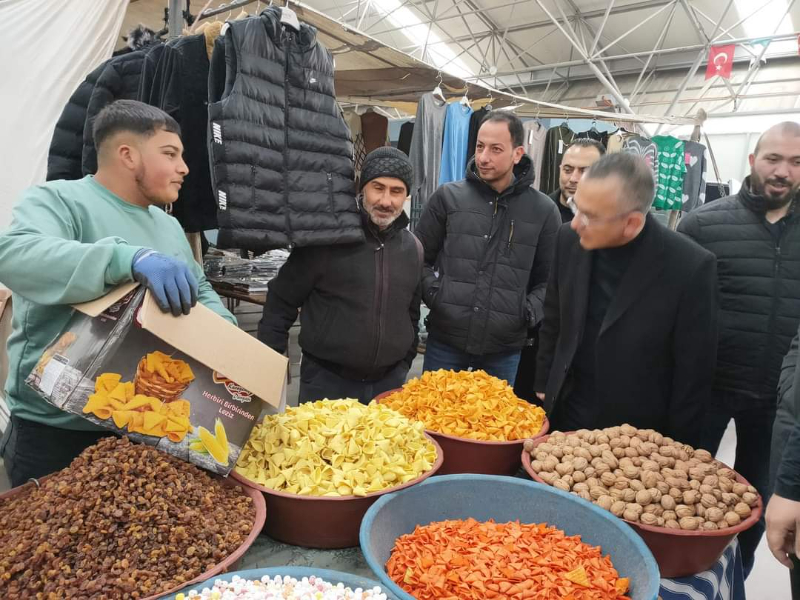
(686, 505)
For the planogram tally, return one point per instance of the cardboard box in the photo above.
(193, 385)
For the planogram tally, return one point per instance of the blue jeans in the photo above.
(502, 365)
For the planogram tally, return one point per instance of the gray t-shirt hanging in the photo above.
(426, 151)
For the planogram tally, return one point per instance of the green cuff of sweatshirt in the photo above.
(119, 269)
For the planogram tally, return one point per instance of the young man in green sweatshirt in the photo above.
(73, 241)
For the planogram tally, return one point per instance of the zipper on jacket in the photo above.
(510, 236)
(330, 190)
(287, 42)
(380, 276)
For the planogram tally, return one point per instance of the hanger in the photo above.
(594, 124)
(464, 100)
(289, 17)
(437, 91)
(488, 106)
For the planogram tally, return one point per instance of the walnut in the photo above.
(691, 497)
(714, 514)
(549, 478)
(739, 489)
(656, 494)
(619, 453)
(643, 498)
(703, 456)
(669, 515)
(671, 524)
(706, 489)
(621, 483)
(700, 509)
(602, 438)
(605, 502)
(712, 480)
(627, 429)
(568, 480)
(710, 526)
(682, 510)
(636, 485)
(727, 473)
(725, 484)
(584, 494)
(595, 451)
(650, 465)
(689, 523)
(580, 463)
(629, 495)
(750, 498)
(573, 441)
(730, 499)
(618, 508)
(561, 485)
(649, 519)
(630, 515)
(742, 509)
(676, 493)
(564, 468)
(546, 447)
(608, 479)
(694, 484)
(583, 453)
(654, 509)
(732, 518)
(601, 468)
(578, 476)
(589, 471)
(540, 455)
(649, 479)
(549, 465)
(668, 502)
(663, 487)
(616, 494)
(708, 500)
(536, 465)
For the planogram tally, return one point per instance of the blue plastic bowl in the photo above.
(351, 581)
(484, 497)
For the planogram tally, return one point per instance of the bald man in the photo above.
(755, 236)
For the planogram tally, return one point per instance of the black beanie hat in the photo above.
(387, 162)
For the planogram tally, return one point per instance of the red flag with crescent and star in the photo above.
(720, 61)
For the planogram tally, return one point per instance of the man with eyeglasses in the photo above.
(630, 327)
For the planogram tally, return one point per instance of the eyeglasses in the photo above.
(587, 221)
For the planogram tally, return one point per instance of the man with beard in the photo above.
(755, 236)
(73, 241)
(488, 243)
(360, 302)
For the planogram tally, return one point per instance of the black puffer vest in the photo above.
(280, 151)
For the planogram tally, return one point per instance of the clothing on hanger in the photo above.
(644, 147)
(590, 134)
(557, 141)
(281, 164)
(475, 121)
(406, 133)
(149, 69)
(615, 141)
(374, 128)
(694, 182)
(535, 138)
(426, 151)
(182, 78)
(456, 138)
(671, 171)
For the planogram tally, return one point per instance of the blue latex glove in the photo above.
(172, 284)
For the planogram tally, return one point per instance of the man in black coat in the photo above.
(580, 155)
(488, 243)
(360, 317)
(783, 511)
(629, 334)
(755, 236)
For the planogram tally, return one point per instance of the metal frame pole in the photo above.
(175, 19)
(617, 96)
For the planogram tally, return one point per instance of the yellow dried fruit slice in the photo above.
(217, 452)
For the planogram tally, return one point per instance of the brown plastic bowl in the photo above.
(678, 553)
(222, 567)
(323, 521)
(462, 455)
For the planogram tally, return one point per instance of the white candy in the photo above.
(282, 588)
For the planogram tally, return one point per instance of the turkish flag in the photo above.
(720, 61)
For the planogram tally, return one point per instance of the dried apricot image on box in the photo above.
(138, 413)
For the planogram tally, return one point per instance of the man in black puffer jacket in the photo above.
(360, 317)
(755, 236)
(488, 242)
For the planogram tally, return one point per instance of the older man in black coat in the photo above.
(630, 326)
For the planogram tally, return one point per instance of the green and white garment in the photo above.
(671, 171)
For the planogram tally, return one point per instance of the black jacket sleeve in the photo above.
(787, 484)
(431, 231)
(414, 313)
(286, 294)
(542, 262)
(694, 353)
(689, 227)
(551, 324)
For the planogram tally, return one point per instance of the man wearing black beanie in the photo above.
(360, 302)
